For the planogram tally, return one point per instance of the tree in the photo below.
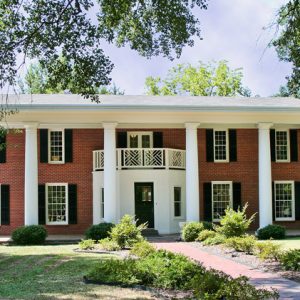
(212, 79)
(287, 43)
(74, 30)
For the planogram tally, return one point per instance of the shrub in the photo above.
(29, 235)
(216, 240)
(127, 233)
(205, 234)
(142, 249)
(276, 232)
(191, 231)
(99, 232)
(207, 225)
(243, 244)
(267, 250)
(235, 223)
(87, 244)
(291, 260)
(109, 245)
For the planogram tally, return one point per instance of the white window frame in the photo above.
(288, 146)
(292, 218)
(140, 134)
(212, 196)
(63, 147)
(181, 204)
(227, 146)
(67, 204)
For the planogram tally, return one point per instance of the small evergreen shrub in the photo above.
(267, 250)
(215, 240)
(290, 260)
(205, 234)
(191, 230)
(142, 249)
(242, 244)
(208, 225)
(109, 245)
(275, 232)
(99, 231)
(87, 244)
(29, 235)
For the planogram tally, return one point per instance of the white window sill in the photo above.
(57, 223)
(284, 219)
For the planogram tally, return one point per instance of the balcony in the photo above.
(143, 158)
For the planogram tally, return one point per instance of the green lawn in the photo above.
(288, 243)
(53, 272)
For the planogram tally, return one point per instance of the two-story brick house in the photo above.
(70, 163)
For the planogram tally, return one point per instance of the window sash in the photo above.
(142, 139)
(56, 148)
(221, 204)
(282, 146)
(221, 146)
(284, 202)
(177, 202)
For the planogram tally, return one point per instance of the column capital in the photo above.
(109, 125)
(31, 125)
(264, 125)
(191, 125)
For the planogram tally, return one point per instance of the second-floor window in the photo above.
(220, 145)
(140, 139)
(282, 146)
(56, 146)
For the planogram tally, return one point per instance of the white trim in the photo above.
(140, 134)
(67, 204)
(212, 196)
(288, 146)
(227, 146)
(63, 146)
(293, 199)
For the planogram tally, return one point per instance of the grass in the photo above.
(288, 243)
(54, 272)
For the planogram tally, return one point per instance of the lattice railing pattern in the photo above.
(176, 158)
(98, 160)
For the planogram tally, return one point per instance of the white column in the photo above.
(31, 175)
(265, 175)
(192, 175)
(110, 173)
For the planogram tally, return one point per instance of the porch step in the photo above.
(149, 232)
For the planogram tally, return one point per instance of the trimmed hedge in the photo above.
(99, 232)
(276, 232)
(29, 235)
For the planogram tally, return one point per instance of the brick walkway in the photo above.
(288, 289)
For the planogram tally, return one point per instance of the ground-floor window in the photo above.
(177, 202)
(57, 203)
(221, 198)
(284, 200)
(102, 204)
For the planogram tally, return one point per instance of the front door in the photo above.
(144, 203)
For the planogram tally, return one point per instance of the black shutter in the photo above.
(293, 145)
(207, 201)
(68, 145)
(273, 200)
(42, 204)
(297, 201)
(237, 196)
(272, 144)
(43, 145)
(232, 145)
(5, 211)
(158, 139)
(122, 139)
(209, 145)
(2, 148)
(72, 191)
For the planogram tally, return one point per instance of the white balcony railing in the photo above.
(143, 158)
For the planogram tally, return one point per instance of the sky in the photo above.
(232, 30)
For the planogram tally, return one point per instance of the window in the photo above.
(56, 146)
(282, 146)
(140, 139)
(221, 145)
(57, 203)
(102, 204)
(221, 198)
(284, 200)
(177, 201)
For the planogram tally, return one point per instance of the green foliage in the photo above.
(243, 243)
(87, 244)
(235, 223)
(208, 225)
(205, 234)
(29, 235)
(109, 245)
(191, 230)
(212, 79)
(142, 249)
(276, 232)
(99, 231)
(127, 233)
(291, 260)
(267, 250)
(215, 240)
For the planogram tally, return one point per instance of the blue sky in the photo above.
(231, 30)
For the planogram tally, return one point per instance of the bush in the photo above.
(142, 249)
(205, 234)
(29, 235)
(291, 260)
(191, 230)
(109, 245)
(207, 225)
(87, 244)
(235, 223)
(267, 250)
(99, 232)
(127, 233)
(215, 240)
(243, 244)
(276, 232)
